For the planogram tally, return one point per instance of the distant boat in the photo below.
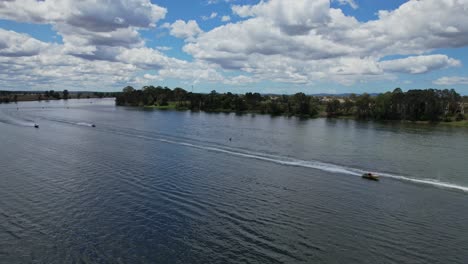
(370, 176)
(36, 125)
(93, 125)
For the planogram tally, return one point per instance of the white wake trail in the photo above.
(318, 165)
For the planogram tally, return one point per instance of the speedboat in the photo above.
(370, 176)
(36, 125)
(93, 125)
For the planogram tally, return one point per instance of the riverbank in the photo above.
(322, 114)
(169, 106)
(31, 96)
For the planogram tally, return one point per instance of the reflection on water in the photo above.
(169, 187)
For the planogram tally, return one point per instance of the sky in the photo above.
(270, 46)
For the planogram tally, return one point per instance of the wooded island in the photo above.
(414, 105)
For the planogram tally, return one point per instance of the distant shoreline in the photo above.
(51, 100)
(15, 97)
(172, 107)
(28, 96)
(321, 111)
(430, 106)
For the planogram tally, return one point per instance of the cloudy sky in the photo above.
(279, 46)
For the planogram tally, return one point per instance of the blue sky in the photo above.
(272, 46)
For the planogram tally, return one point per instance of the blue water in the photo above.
(169, 187)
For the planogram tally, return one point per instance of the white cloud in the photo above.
(454, 80)
(351, 3)
(146, 58)
(212, 2)
(151, 77)
(185, 30)
(419, 64)
(418, 26)
(298, 17)
(50, 66)
(213, 15)
(298, 42)
(308, 41)
(54, 69)
(90, 29)
(13, 44)
(163, 48)
(96, 16)
(240, 80)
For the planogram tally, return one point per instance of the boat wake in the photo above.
(14, 120)
(63, 121)
(312, 164)
(83, 124)
(431, 182)
(282, 160)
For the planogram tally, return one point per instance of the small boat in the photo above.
(93, 125)
(36, 125)
(370, 176)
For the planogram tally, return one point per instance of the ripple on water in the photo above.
(113, 194)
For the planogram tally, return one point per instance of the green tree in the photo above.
(348, 106)
(383, 106)
(333, 107)
(300, 104)
(65, 94)
(364, 105)
(128, 89)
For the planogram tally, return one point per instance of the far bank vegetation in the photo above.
(429, 105)
(20, 96)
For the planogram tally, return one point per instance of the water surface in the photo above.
(169, 187)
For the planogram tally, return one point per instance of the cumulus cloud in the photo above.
(418, 27)
(298, 17)
(419, 64)
(313, 41)
(351, 3)
(96, 16)
(212, 2)
(454, 80)
(101, 45)
(89, 27)
(213, 15)
(185, 30)
(13, 44)
(298, 42)
(54, 69)
(163, 48)
(29, 63)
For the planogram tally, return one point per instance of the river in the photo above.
(194, 187)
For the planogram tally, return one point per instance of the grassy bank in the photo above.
(453, 123)
(463, 123)
(322, 114)
(169, 106)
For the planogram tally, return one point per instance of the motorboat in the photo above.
(36, 125)
(370, 176)
(93, 125)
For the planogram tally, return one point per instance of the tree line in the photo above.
(17, 96)
(178, 98)
(414, 105)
